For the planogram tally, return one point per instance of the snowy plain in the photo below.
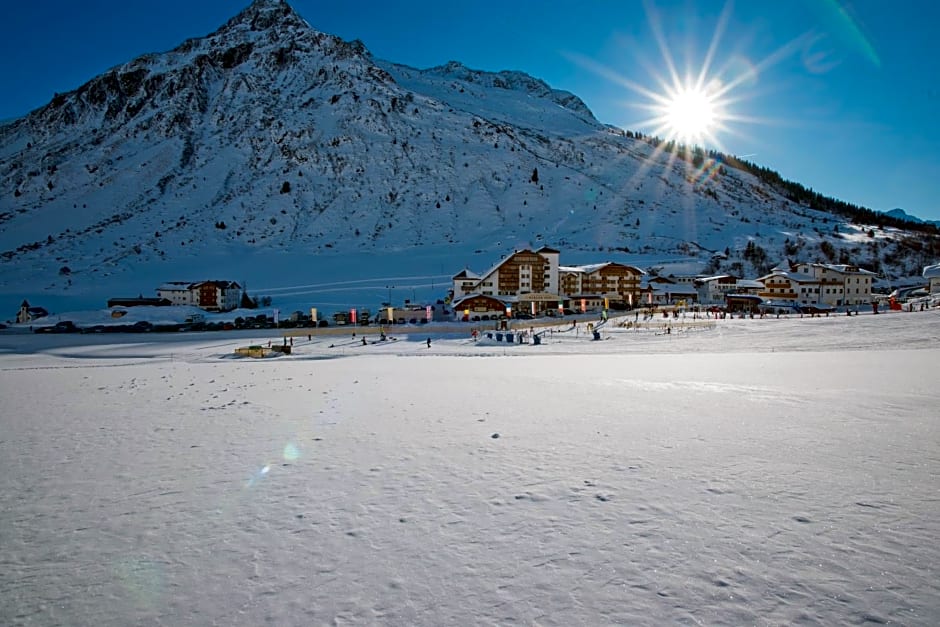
(740, 471)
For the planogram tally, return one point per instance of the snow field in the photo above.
(696, 478)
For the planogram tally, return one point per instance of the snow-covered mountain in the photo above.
(900, 214)
(272, 153)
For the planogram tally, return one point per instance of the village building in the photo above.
(524, 272)
(409, 313)
(840, 285)
(582, 303)
(208, 295)
(748, 286)
(465, 282)
(473, 307)
(711, 290)
(606, 285)
(783, 286)
(743, 303)
(27, 314)
(660, 290)
(683, 279)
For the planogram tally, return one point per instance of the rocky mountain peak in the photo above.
(262, 15)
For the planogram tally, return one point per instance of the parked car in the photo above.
(65, 326)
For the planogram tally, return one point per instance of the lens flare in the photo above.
(291, 452)
(258, 476)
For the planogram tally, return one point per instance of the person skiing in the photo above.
(429, 342)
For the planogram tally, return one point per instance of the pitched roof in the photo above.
(456, 304)
(718, 277)
(843, 268)
(586, 269)
(466, 274)
(175, 286)
(793, 276)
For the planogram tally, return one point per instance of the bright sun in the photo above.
(690, 115)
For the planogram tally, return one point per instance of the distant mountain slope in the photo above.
(268, 135)
(900, 214)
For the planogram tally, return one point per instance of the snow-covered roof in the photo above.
(175, 286)
(594, 267)
(714, 278)
(585, 269)
(474, 295)
(717, 277)
(496, 266)
(799, 277)
(843, 268)
(466, 274)
(749, 284)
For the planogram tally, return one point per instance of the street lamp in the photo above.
(389, 288)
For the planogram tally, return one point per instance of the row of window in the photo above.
(810, 290)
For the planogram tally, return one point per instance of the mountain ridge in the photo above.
(900, 214)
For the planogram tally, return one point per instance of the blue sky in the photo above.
(839, 96)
